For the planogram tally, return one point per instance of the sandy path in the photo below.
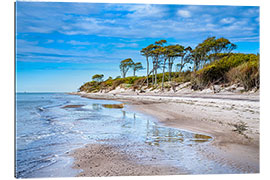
(217, 115)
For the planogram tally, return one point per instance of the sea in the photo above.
(47, 132)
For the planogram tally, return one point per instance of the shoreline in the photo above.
(233, 121)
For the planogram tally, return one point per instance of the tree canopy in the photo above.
(98, 77)
(125, 65)
(136, 67)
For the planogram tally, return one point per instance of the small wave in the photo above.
(56, 105)
(35, 165)
(52, 106)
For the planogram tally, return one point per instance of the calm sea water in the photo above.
(46, 132)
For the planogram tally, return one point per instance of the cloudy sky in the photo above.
(61, 45)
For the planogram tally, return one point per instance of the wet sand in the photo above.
(233, 121)
(108, 160)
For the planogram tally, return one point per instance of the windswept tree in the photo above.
(196, 55)
(165, 52)
(214, 48)
(98, 77)
(185, 56)
(136, 67)
(157, 54)
(147, 53)
(223, 45)
(174, 51)
(210, 50)
(109, 78)
(125, 65)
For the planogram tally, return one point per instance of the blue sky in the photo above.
(62, 45)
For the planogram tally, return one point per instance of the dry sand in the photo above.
(219, 115)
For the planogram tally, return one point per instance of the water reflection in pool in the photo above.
(153, 133)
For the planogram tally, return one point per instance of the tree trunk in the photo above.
(155, 77)
(147, 71)
(156, 67)
(134, 71)
(170, 70)
(153, 73)
(195, 65)
(181, 66)
(147, 75)
(163, 75)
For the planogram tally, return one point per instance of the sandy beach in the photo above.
(231, 119)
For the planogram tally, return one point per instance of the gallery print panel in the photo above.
(117, 89)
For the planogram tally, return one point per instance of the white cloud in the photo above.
(257, 19)
(145, 10)
(73, 42)
(121, 45)
(144, 21)
(184, 13)
(251, 12)
(249, 39)
(49, 41)
(227, 20)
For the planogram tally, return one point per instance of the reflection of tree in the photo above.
(156, 135)
(124, 115)
(96, 107)
(134, 118)
(156, 131)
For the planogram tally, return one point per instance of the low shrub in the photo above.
(183, 77)
(216, 71)
(90, 86)
(130, 80)
(246, 74)
(117, 82)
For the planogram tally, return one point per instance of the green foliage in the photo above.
(161, 42)
(183, 77)
(138, 81)
(212, 62)
(90, 86)
(210, 50)
(110, 78)
(247, 74)
(107, 83)
(240, 127)
(125, 65)
(130, 80)
(117, 82)
(136, 67)
(97, 77)
(216, 71)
